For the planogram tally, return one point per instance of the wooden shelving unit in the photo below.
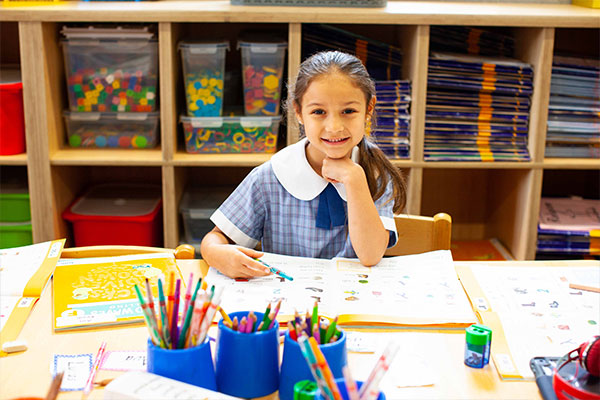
(485, 199)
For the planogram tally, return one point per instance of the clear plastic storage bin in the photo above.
(196, 207)
(111, 69)
(231, 134)
(262, 69)
(204, 72)
(112, 130)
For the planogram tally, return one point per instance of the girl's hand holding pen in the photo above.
(238, 262)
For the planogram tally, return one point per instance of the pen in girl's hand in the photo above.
(275, 270)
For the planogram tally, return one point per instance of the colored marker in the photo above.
(275, 270)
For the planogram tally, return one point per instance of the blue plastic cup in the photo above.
(342, 386)
(294, 367)
(193, 365)
(247, 364)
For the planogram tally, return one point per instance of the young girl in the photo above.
(332, 194)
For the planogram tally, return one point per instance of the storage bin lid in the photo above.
(262, 47)
(203, 47)
(118, 200)
(201, 202)
(216, 122)
(10, 79)
(119, 32)
(120, 116)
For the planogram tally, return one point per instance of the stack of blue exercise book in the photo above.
(574, 110)
(384, 63)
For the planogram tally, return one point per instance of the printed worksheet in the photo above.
(532, 312)
(410, 290)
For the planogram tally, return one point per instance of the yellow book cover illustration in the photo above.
(24, 273)
(98, 292)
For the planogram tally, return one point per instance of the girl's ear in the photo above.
(371, 107)
(298, 114)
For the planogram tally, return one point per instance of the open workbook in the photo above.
(415, 290)
(532, 311)
(97, 292)
(24, 273)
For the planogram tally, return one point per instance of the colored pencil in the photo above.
(370, 389)
(351, 388)
(163, 315)
(175, 315)
(90, 381)
(145, 312)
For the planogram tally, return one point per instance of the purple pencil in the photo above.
(175, 316)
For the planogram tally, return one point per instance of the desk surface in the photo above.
(28, 373)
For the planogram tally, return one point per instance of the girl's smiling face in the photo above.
(333, 113)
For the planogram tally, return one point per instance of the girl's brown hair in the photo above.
(378, 169)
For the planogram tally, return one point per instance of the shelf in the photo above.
(477, 165)
(215, 160)
(116, 157)
(396, 12)
(571, 163)
(485, 199)
(16, 159)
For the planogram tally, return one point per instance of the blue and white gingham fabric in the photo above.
(262, 210)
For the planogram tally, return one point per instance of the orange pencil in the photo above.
(170, 298)
(322, 363)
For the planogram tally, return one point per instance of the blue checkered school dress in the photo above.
(262, 210)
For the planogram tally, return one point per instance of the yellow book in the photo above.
(587, 3)
(24, 273)
(99, 292)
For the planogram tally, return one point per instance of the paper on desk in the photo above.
(124, 361)
(408, 369)
(76, 367)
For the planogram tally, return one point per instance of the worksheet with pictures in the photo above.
(532, 312)
(419, 289)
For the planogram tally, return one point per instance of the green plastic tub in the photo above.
(15, 234)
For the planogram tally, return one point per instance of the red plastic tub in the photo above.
(12, 120)
(117, 214)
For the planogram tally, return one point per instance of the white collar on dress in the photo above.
(295, 174)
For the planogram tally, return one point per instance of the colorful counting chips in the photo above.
(204, 93)
(112, 130)
(204, 69)
(108, 89)
(262, 74)
(233, 135)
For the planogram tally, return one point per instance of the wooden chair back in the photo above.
(418, 234)
(182, 252)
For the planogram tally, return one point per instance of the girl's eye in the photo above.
(318, 112)
(348, 111)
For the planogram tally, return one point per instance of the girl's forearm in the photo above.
(368, 235)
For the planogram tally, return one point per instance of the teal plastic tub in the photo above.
(15, 234)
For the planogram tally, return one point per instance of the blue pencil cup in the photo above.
(342, 386)
(247, 364)
(294, 367)
(193, 365)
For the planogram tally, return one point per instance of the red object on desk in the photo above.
(12, 121)
(117, 214)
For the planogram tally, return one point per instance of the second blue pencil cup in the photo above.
(193, 365)
(341, 384)
(294, 367)
(247, 364)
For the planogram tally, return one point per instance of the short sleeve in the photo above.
(242, 216)
(385, 208)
